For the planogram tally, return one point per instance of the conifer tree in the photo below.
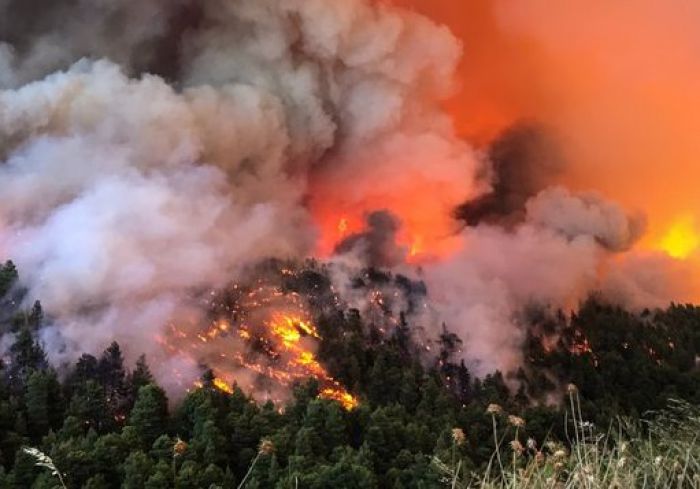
(112, 376)
(137, 470)
(8, 277)
(150, 414)
(44, 403)
(26, 356)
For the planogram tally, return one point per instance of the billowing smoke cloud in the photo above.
(146, 158)
(587, 214)
(38, 37)
(523, 161)
(112, 214)
(563, 250)
(151, 151)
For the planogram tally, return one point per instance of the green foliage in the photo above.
(149, 415)
(137, 470)
(44, 403)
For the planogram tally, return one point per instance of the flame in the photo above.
(425, 234)
(345, 399)
(342, 227)
(416, 246)
(222, 385)
(268, 333)
(682, 239)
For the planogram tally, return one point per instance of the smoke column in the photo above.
(153, 150)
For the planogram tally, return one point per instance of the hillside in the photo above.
(107, 424)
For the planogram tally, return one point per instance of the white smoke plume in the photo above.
(130, 178)
(586, 214)
(569, 246)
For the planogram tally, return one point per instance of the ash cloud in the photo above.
(42, 36)
(586, 214)
(524, 160)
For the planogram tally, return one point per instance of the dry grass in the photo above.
(659, 454)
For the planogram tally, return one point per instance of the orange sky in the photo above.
(618, 82)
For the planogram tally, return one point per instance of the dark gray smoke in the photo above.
(524, 160)
(43, 36)
(376, 246)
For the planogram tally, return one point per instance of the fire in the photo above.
(289, 329)
(424, 234)
(682, 239)
(268, 333)
(222, 385)
(416, 247)
(342, 227)
(345, 399)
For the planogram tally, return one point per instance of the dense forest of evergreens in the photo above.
(109, 425)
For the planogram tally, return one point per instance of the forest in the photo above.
(104, 424)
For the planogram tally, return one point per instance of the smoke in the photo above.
(39, 37)
(153, 151)
(146, 159)
(376, 247)
(587, 214)
(524, 160)
(565, 248)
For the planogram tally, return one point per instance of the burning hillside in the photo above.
(262, 339)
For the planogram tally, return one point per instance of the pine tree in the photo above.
(85, 369)
(212, 476)
(187, 476)
(335, 432)
(162, 477)
(112, 376)
(8, 277)
(24, 471)
(36, 316)
(349, 471)
(162, 448)
(150, 414)
(137, 470)
(89, 406)
(44, 403)
(26, 356)
(141, 376)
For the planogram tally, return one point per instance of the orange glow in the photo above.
(342, 227)
(682, 239)
(345, 399)
(223, 386)
(416, 246)
(619, 84)
(427, 231)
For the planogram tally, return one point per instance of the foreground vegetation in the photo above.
(102, 424)
(662, 453)
(666, 456)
